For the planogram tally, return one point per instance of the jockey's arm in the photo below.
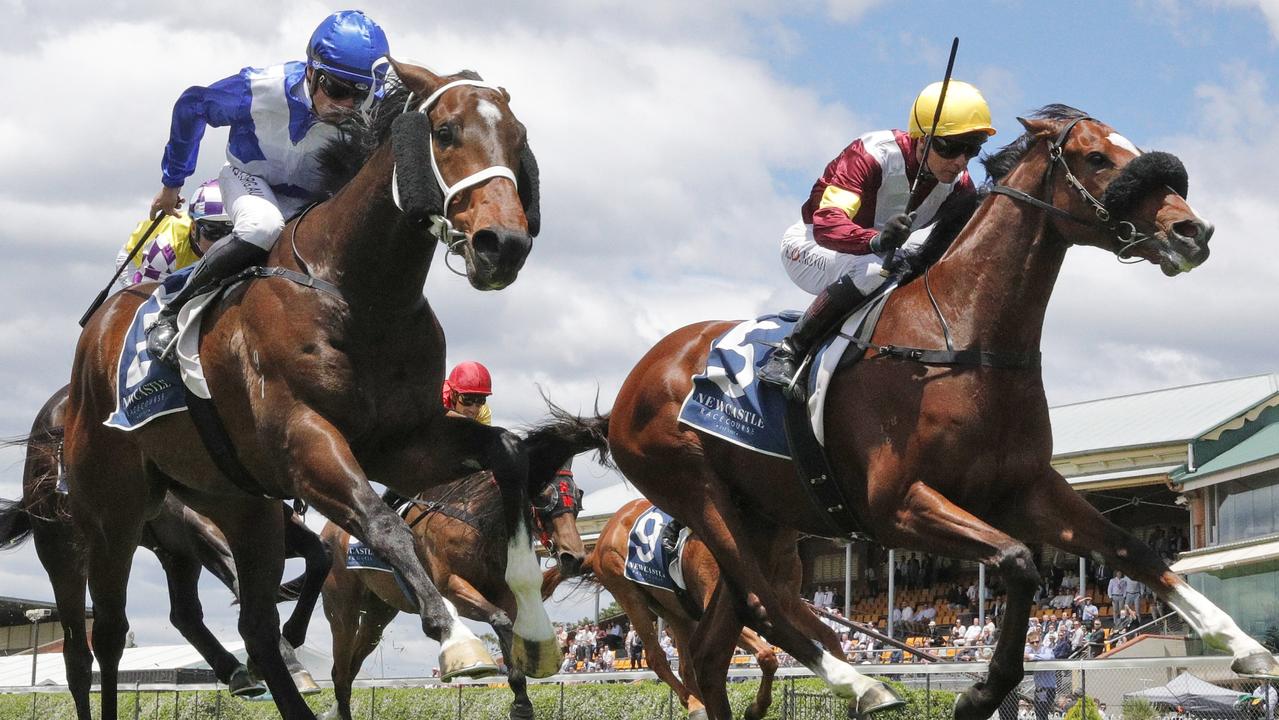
(844, 213)
(225, 102)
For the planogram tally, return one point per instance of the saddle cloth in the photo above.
(145, 388)
(727, 402)
(652, 555)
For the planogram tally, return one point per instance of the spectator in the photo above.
(635, 649)
(1117, 590)
(1124, 623)
(1132, 598)
(668, 647)
(1265, 698)
(907, 613)
(872, 584)
(1088, 611)
(927, 614)
(1096, 639)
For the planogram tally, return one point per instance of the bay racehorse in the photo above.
(459, 527)
(644, 604)
(183, 542)
(953, 459)
(326, 368)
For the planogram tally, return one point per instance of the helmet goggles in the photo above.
(951, 148)
(339, 88)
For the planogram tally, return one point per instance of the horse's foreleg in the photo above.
(767, 660)
(927, 520)
(187, 615)
(299, 540)
(356, 619)
(1056, 514)
(497, 613)
(255, 532)
(326, 474)
(712, 647)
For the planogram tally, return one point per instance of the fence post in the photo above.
(218, 705)
(372, 702)
(928, 695)
(459, 701)
(137, 701)
(561, 700)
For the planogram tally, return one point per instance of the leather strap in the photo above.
(816, 476)
(302, 279)
(208, 424)
(972, 356)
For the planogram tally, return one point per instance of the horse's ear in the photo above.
(1038, 126)
(416, 78)
(530, 191)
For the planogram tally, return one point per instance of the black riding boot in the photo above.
(224, 259)
(828, 309)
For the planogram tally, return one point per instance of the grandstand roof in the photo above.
(1158, 417)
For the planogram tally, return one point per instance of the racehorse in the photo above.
(182, 541)
(457, 527)
(643, 604)
(948, 458)
(326, 368)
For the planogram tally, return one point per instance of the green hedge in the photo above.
(643, 700)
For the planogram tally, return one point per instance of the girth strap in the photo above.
(429, 507)
(983, 358)
(302, 279)
(213, 433)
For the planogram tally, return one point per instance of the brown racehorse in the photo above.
(949, 459)
(458, 529)
(183, 542)
(327, 374)
(643, 604)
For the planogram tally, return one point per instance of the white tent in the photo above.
(1194, 695)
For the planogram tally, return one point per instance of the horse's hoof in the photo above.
(878, 698)
(698, 714)
(330, 714)
(466, 659)
(1261, 664)
(537, 658)
(304, 682)
(521, 711)
(243, 684)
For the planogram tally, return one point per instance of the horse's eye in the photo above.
(444, 134)
(1098, 160)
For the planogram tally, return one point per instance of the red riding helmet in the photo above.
(468, 378)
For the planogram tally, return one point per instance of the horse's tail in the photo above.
(554, 442)
(552, 578)
(15, 524)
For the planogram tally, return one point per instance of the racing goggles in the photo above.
(339, 88)
(471, 399)
(951, 148)
(213, 230)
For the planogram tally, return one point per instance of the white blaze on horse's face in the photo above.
(490, 112)
(1120, 141)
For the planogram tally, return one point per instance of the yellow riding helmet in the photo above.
(964, 111)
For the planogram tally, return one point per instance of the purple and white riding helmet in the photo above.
(207, 203)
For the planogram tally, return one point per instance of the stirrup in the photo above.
(793, 390)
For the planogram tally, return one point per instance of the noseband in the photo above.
(441, 227)
(566, 499)
(1125, 231)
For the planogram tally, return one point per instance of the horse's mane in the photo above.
(343, 157)
(479, 495)
(1000, 163)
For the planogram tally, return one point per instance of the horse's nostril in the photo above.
(485, 242)
(1193, 230)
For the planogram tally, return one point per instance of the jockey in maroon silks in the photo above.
(862, 209)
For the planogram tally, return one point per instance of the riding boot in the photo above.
(224, 259)
(828, 309)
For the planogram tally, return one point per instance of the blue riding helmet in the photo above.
(348, 44)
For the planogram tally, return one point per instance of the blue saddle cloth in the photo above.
(145, 387)
(647, 561)
(727, 402)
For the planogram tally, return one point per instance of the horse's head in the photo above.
(1106, 192)
(481, 189)
(555, 511)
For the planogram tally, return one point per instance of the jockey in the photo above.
(178, 241)
(280, 117)
(861, 210)
(467, 389)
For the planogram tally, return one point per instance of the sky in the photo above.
(676, 142)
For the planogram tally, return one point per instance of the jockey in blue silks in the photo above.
(279, 116)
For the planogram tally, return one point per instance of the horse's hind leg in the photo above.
(356, 619)
(712, 651)
(56, 547)
(471, 603)
(1053, 513)
(927, 520)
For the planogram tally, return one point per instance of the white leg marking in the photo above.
(458, 632)
(1215, 626)
(1120, 141)
(843, 680)
(525, 580)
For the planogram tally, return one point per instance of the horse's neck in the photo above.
(356, 240)
(995, 283)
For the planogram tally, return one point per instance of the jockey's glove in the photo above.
(894, 234)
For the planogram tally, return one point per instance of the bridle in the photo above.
(567, 498)
(441, 227)
(1125, 231)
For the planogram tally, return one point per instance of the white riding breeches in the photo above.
(254, 209)
(813, 267)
